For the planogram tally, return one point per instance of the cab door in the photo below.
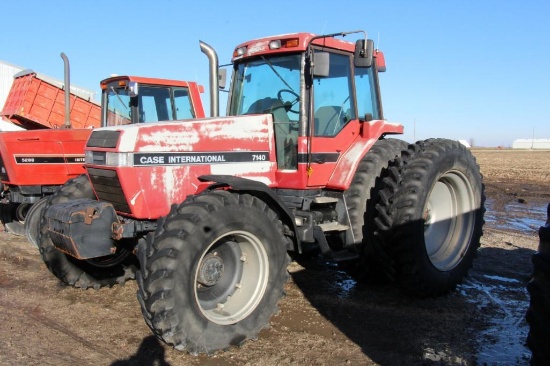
(340, 102)
(332, 113)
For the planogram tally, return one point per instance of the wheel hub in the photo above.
(427, 216)
(211, 269)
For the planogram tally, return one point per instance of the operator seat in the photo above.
(328, 120)
(269, 105)
(285, 139)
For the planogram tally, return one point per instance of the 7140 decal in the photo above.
(198, 158)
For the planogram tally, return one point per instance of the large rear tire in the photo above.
(538, 313)
(214, 272)
(430, 215)
(97, 272)
(361, 197)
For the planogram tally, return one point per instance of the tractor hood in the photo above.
(153, 166)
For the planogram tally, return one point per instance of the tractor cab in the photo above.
(132, 100)
(321, 93)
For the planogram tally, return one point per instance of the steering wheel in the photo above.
(288, 104)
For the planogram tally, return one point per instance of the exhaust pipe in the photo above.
(67, 91)
(214, 78)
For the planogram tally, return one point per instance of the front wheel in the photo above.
(97, 272)
(430, 215)
(214, 273)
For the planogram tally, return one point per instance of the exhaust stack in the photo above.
(214, 78)
(67, 91)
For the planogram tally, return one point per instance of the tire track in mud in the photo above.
(32, 313)
(36, 314)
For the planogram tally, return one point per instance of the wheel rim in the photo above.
(32, 220)
(449, 216)
(231, 277)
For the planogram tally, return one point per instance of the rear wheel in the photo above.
(431, 215)
(361, 199)
(97, 272)
(214, 273)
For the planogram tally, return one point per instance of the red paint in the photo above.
(151, 190)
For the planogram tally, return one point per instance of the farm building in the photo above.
(531, 144)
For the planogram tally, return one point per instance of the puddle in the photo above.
(502, 300)
(502, 279)
(522, 217)
(503, 342)
(340, 285)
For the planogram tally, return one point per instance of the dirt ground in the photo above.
(325, 319)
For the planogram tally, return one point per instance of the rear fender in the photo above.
(347, 164)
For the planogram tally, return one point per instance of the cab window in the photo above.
(333, 97)
(366, 94)
(154, 104)
(182, 102)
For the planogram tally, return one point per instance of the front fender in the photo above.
(263, 192)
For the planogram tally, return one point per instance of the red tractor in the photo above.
(212, 207)
(33, 164)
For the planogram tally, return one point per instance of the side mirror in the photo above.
(321, 62)
(222, 78)
(132, 89)
(363, 53)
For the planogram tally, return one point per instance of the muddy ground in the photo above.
(325, 319)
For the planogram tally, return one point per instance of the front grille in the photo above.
(107, 187)
(108, 139)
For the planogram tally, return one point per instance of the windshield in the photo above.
(153, 104)
(118, 107)
(265, 84)
(272, 85)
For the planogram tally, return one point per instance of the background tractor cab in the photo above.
(134, 99)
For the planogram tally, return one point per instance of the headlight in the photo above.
(109, 158)
(89, 157)
(275, 45)
(119, 159)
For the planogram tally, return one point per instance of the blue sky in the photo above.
(474, 70)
